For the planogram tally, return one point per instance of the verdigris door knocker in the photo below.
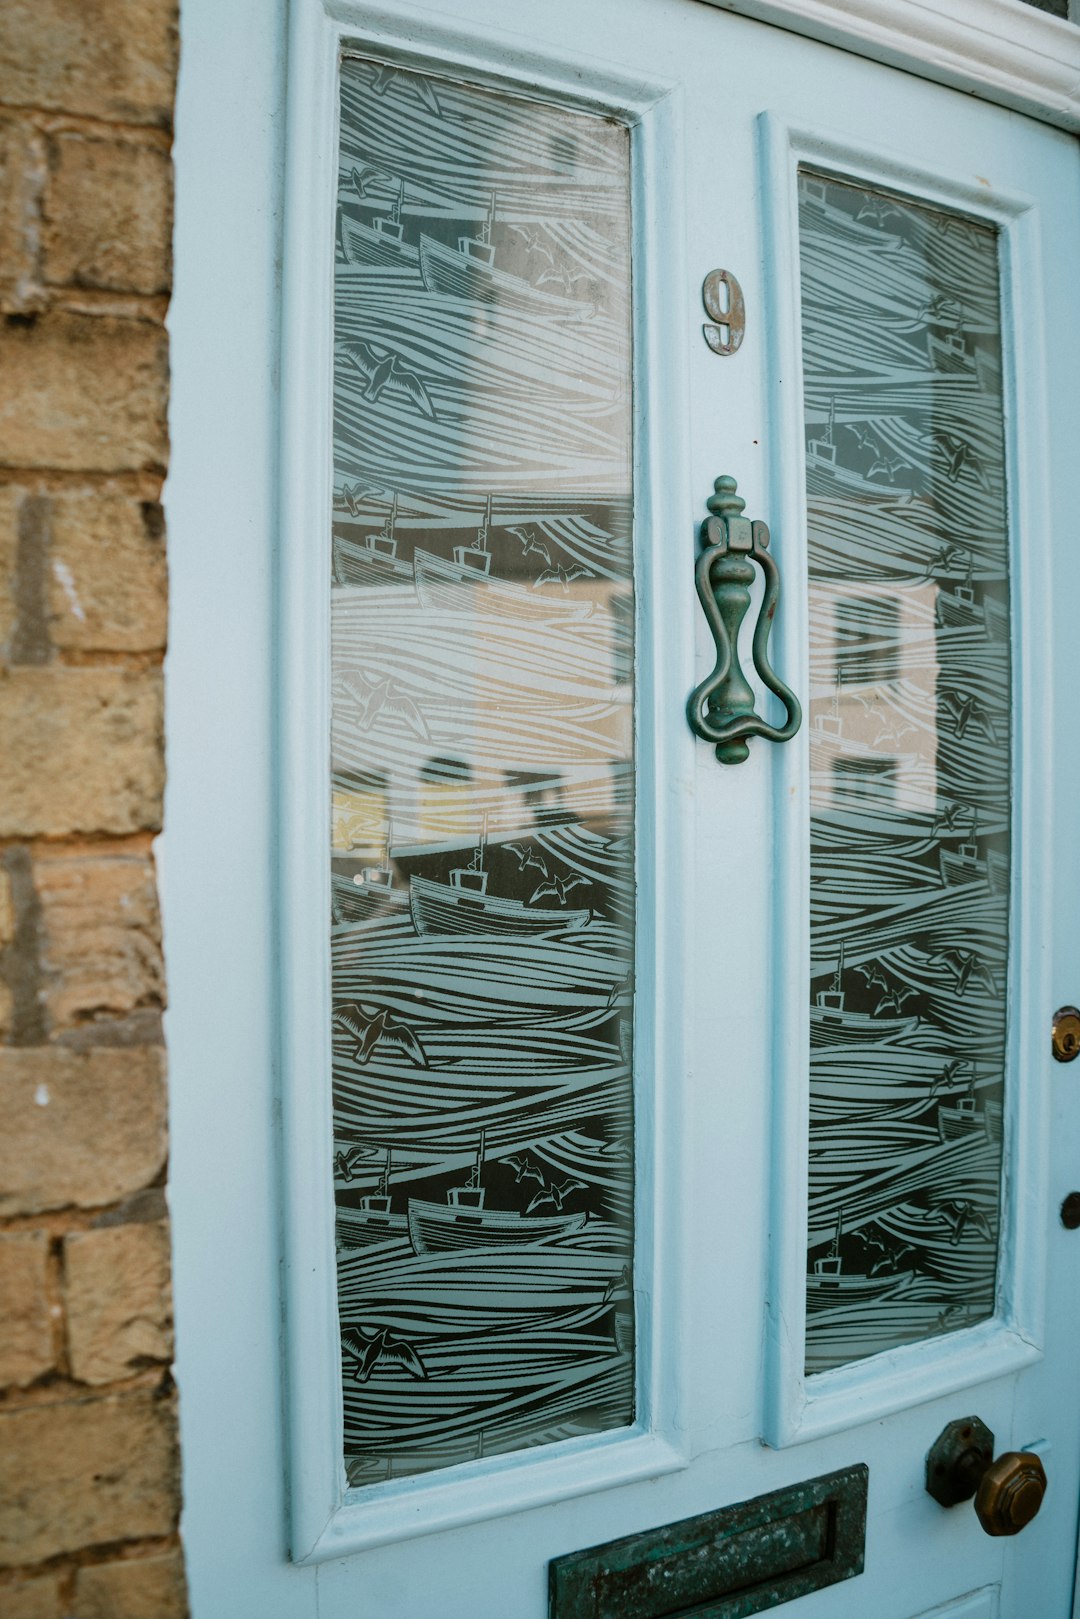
(721, 710)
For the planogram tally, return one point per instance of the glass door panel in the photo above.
(482, 848)
(910, 766)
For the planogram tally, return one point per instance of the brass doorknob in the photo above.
(1008, 1489)
(1010, 1492)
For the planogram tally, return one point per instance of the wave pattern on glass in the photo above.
(910, 767)
(482, 864)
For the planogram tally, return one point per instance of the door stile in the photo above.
(798, 1407)
(329, 1519)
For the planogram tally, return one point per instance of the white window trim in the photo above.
(1001, 50)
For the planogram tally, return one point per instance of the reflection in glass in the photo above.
(910, 767)
(482, 868)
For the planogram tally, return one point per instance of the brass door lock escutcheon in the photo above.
(1008, 1489)
(1065, 1034)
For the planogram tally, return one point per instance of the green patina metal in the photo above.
(721, 710)
(723, 1565)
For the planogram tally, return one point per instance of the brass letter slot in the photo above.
(722, 1565)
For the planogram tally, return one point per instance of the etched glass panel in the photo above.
(910, 767)
(482, 864)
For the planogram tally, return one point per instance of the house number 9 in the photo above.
(722, 296)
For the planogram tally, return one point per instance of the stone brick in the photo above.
(107, 585)
(81, 751)
(22, 170)
(100, 938)
(34, 1598)
(111, 59)
(25, 1326)
(107, 215)
(83, 393)
(86, 1472)
(11, 499)
(80, 1127)
(119, 1304)
(138, 1588)
(7, 909)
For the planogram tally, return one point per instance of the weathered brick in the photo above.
(7, 933)
(137, 1588)
(107, 215)
(37, 1597)
(81, 751)
(80, 1127)
(83, 393)
(85, 1472)
(22, 171)
(7, 909)
(107, 584)
(118, 1300)
(11, 499)
(111, 59)
(26, 1350)
(100, 936)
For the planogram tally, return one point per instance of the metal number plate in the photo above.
(723, 299)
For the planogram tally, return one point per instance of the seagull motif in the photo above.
(878, 210)
(947, 558)
(524, 1168)
(891, 1259)
(965, 711)
(942, 311)
(621, 991)
(378, 1346)
(562, 576)
(384, 698)
(422, 88)
(385, 372)
(948, 1076)
(372, 1027)
(888, 464)
(965, 965)
(946, 819)
(959, 454)
(873, 977)
(865, 441)
(345, 1162)
(362, 179)
(894, 731)
(563, 277)
(959, 1213)
(556, 1195)
(894, 1000)
(560, 887)
(527, 857)
(353, 494)
(617, 1284)
(529, 543)
(533, 242)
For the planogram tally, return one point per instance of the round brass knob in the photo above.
(1010, 1492)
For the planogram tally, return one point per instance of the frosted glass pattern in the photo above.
(910, 767)
(482, 863)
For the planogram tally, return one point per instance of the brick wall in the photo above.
(89, 1487)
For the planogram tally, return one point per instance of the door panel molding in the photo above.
(1001, 50)
(798, 1407)
(328, 1519)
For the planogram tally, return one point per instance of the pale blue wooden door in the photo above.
(586, 1134)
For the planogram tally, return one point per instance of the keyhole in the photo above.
(723, 299)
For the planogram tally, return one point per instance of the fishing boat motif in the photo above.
(482, 861)
(910, 768)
